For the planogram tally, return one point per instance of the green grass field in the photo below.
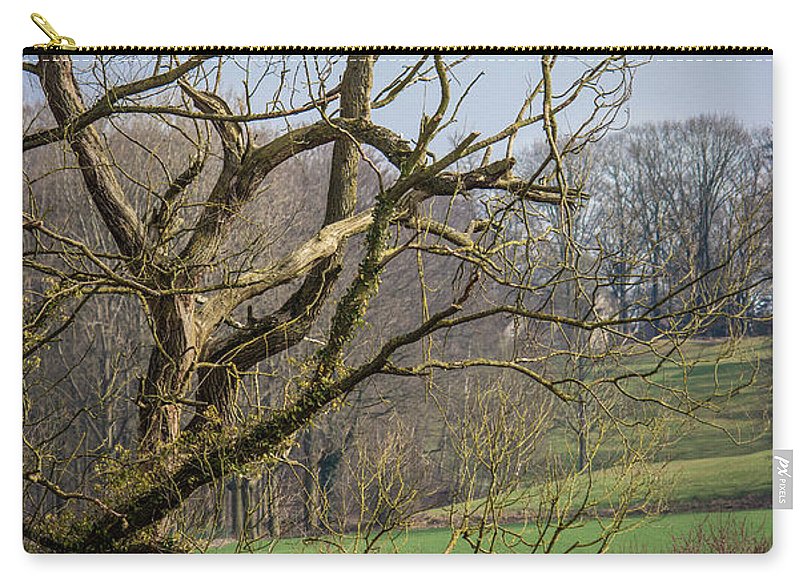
(737, 384)
(740, 385)
(691, 483)
(654, 535)
(696, 483)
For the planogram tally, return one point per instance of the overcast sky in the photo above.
(671, 87)
(676, 87)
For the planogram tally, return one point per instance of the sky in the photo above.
(666, 88)
(676, 87)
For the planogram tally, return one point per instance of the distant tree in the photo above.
(677, 200)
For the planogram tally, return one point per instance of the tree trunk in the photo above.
(272, 515)
(169, 372)
(235, 507)
(310, 484)
(290, 324)
(582, 429)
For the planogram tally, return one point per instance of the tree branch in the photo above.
(105, 105)
(290, 323)
(63, 96)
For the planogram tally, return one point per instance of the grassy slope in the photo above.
(724, 477)
(693, 483)
(746, 415)
(655, 536)
(696, 481)
(745, 372)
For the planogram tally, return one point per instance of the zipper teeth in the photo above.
(394, 49)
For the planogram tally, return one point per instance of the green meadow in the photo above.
(642, 535)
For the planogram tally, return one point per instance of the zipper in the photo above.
(56, 40)
(66, 45)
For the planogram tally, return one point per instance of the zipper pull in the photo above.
(56, 40)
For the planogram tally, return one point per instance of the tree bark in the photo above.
(169, 373)
(65, 101)
(288, 325)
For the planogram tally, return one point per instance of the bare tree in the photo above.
(259, 327)
(677, 199)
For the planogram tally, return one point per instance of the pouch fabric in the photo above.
(492, 300)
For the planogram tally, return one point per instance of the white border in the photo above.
(409, 22)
